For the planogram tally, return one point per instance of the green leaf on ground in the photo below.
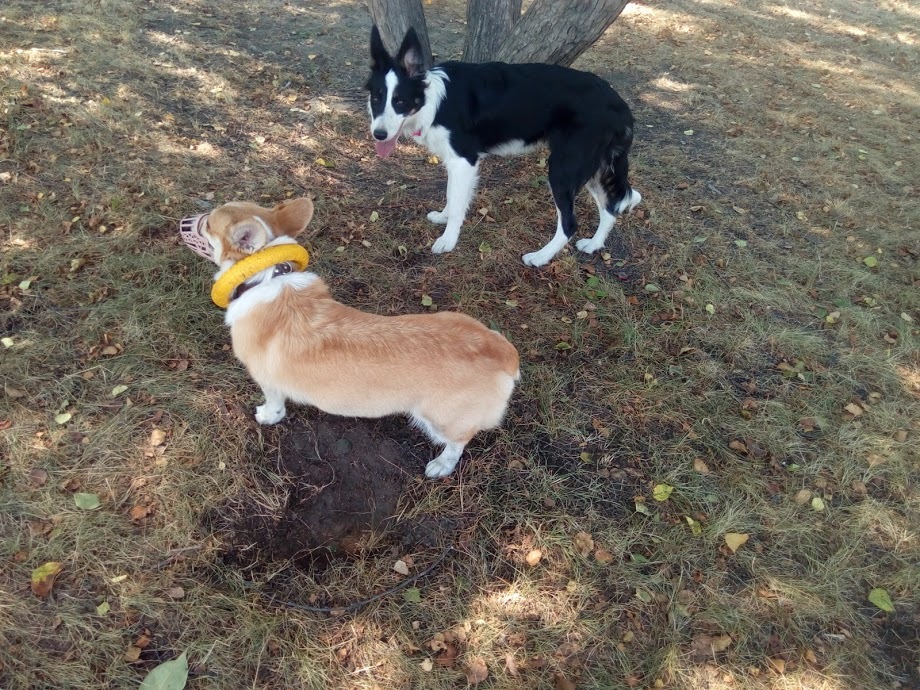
(413, 595)
(880, 598)
(86, 501)
(662, 492)
(170, 675)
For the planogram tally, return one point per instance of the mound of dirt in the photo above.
(341, 480)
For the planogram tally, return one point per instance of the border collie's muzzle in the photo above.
(190, 229)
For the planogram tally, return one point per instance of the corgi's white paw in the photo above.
(440, 467)
(444, 244)
(437, 217)
(588, 245)
(270, 415)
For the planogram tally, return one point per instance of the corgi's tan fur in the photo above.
(449, 373)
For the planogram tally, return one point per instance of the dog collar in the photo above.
(224, 287)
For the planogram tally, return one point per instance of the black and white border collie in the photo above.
(462, 112)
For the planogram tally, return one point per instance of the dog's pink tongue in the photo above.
(385, 148)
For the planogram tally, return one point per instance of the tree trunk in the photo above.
(394, 17)
(488, 23)
(557, 32)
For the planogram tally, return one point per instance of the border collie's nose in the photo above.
(380, 134)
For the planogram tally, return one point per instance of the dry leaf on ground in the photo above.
(584, 543)
(476, 671)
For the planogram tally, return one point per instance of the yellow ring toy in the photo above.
(257, 262)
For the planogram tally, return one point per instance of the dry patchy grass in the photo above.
(122, 116)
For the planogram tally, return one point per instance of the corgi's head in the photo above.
(396, 88)
(239, 228)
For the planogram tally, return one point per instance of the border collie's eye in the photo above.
(397, 102)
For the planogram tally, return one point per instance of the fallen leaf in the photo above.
(651, 287)
(63, 418)
(870, 261)
(700, 466)
(476, 671)
(739, 446)
(427, 665)
(170, 675)
(584, 543)
(374, 216)
(132, 654)
(907, 317)
(880, 598)
(175, 592)
(735, 540)
(103, 608)
(688, 132)
(43, 578)
(157, 438)
(603, 556)
(14, 393)
(427, 301)
(777, 664)
(817, 504)
(38, 476)
(854, 409)
(401, 567)
(118, 390)
(710, 309)
(413, 595)
(139, 512)
(705, 645)
(447, 657)
(662, 492)
(695, 526)
(802, 497)
(86, 501)
(533, 557)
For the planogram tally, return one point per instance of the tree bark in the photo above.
(488, 23)
(557, 31)
(394, 17)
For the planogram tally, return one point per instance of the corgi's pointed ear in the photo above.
(292, 217)
(249, 235)
(379, 56)
(410, 54)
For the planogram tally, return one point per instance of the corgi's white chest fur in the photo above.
(266, 292)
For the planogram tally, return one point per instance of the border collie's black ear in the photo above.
(410, 54)
(379, 56)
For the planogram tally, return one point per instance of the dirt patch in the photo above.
(335, 487)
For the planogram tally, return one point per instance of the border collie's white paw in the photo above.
(536, 259)
(437, 217)
(440, 467)
(628, 203)
(443, 244)
(270, 415)
(588, 245)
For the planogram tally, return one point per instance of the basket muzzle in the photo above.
(191, 230)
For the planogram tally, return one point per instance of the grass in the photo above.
(120, 117)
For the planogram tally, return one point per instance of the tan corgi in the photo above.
(449, 373)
